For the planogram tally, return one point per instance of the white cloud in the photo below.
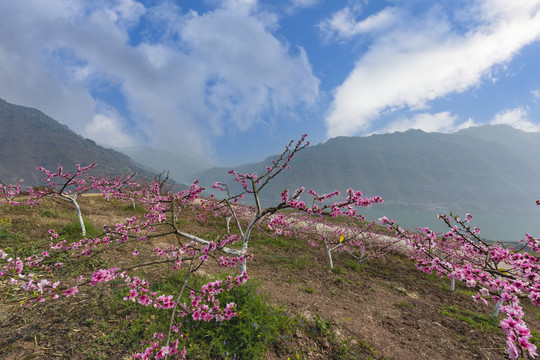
(106, 130)
(517, 118)
(244, 7)
(187, 80)
(536, 94)
(442, 122)
(301, 4)
(304, 3)
(422, 58)
(344, 23)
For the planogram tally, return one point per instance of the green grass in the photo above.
(320, 326)
(282, 242)
(405, 305)
(291, 262)
(535, 340)
(15, 244)
(138, 208)
(483, 322)
(308, 290)
(248, 336)
(353, 349)
(353, 265)
(73, 232)
(49, 213)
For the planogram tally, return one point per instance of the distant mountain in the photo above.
(29, 138)
(180, 167)
(486, 169)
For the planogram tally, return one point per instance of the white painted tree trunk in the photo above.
(497, 308)
(452, 285)
(329, 252)
(73, 200)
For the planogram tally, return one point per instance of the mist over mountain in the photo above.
(180, 166)
(487, 169)
(29, 138)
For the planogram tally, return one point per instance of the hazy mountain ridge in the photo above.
(472, 170)
(180, 167)
(29, 138)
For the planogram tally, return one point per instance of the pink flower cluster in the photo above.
(158, 352)
(14, 194)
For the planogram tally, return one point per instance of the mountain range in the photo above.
(29, 138)
(487, 169)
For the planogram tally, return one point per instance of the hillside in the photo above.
(486, 169)
(382, 309)
(29, 138)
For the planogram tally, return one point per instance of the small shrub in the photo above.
(72, 231)
(320, 326)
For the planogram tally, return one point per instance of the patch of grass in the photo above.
(353, 349)
(341, 280)
(308, 290)
(405, 305)
(466, 292)
(291, 280)
(274, 242)
(137, 209)
(15, 244)
(49, 213)
(339, 270)
(280, 242)
(257, 327)
(353, 265)
(72, 231)
(483, 322)
(535, 340)
(18, 209)
(444, 284)
(319, 326)
(296, 262)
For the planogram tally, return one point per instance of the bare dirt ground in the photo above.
(384, 309)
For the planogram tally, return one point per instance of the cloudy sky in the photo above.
(235, 80)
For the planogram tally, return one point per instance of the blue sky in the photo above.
(233, 81)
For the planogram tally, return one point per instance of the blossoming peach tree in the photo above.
(40, 275)
(310, 223)
(70, 186)
(503, 274)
